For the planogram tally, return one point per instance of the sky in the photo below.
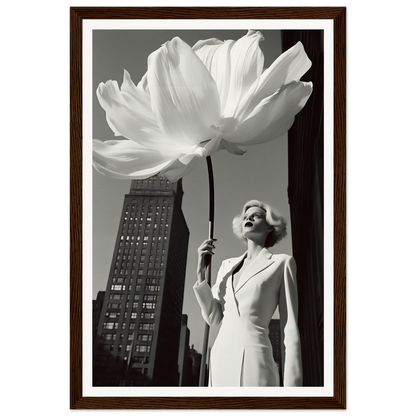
(261, 173)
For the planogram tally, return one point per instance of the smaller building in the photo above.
(195, 366)
(275, 339)
(97, 306)
(183, 357)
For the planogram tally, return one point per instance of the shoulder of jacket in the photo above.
(283, 258)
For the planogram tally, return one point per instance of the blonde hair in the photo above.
(278, 223)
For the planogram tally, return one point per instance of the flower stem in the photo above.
(211, 197)
(208, 268)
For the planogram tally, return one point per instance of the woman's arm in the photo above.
(209, 302)
(288, 308)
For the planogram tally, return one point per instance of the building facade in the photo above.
(138, 333)
(305, 191)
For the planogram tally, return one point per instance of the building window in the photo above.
(134, 315)
(141, 359)
(144, 337)
(152, 288)
(142, 348)
(150, 297)
(146, 315)
(108, 337)
(113, 305)
(146, 326)
(112, 315)
(118, 287)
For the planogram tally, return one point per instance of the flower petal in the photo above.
(125, 120)
(232, 148)
(127, 159)
(208, 148)
(137, 98)
(288, 67)
(246, 60)
(184, 96)
(215, 54)
(273, 116)
(177, 170)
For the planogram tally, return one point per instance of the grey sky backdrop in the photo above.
(261, 173)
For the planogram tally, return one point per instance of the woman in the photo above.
(244, 298)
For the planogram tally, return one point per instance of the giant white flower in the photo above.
(195, 101)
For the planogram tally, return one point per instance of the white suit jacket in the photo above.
(242, 352)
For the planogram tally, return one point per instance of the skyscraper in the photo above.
(140, 324)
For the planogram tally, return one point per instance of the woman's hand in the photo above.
(204, 250)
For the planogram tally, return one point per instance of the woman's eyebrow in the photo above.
(254, 213)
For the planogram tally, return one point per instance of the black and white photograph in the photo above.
(207, 201)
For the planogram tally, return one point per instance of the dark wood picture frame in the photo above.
(338, 401)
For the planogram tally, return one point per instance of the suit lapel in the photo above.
(261, 262)
(228, 273)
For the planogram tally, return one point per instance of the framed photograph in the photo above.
(180, 117)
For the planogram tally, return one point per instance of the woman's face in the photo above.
(254, 224)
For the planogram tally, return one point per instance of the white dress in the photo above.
(242, 354)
